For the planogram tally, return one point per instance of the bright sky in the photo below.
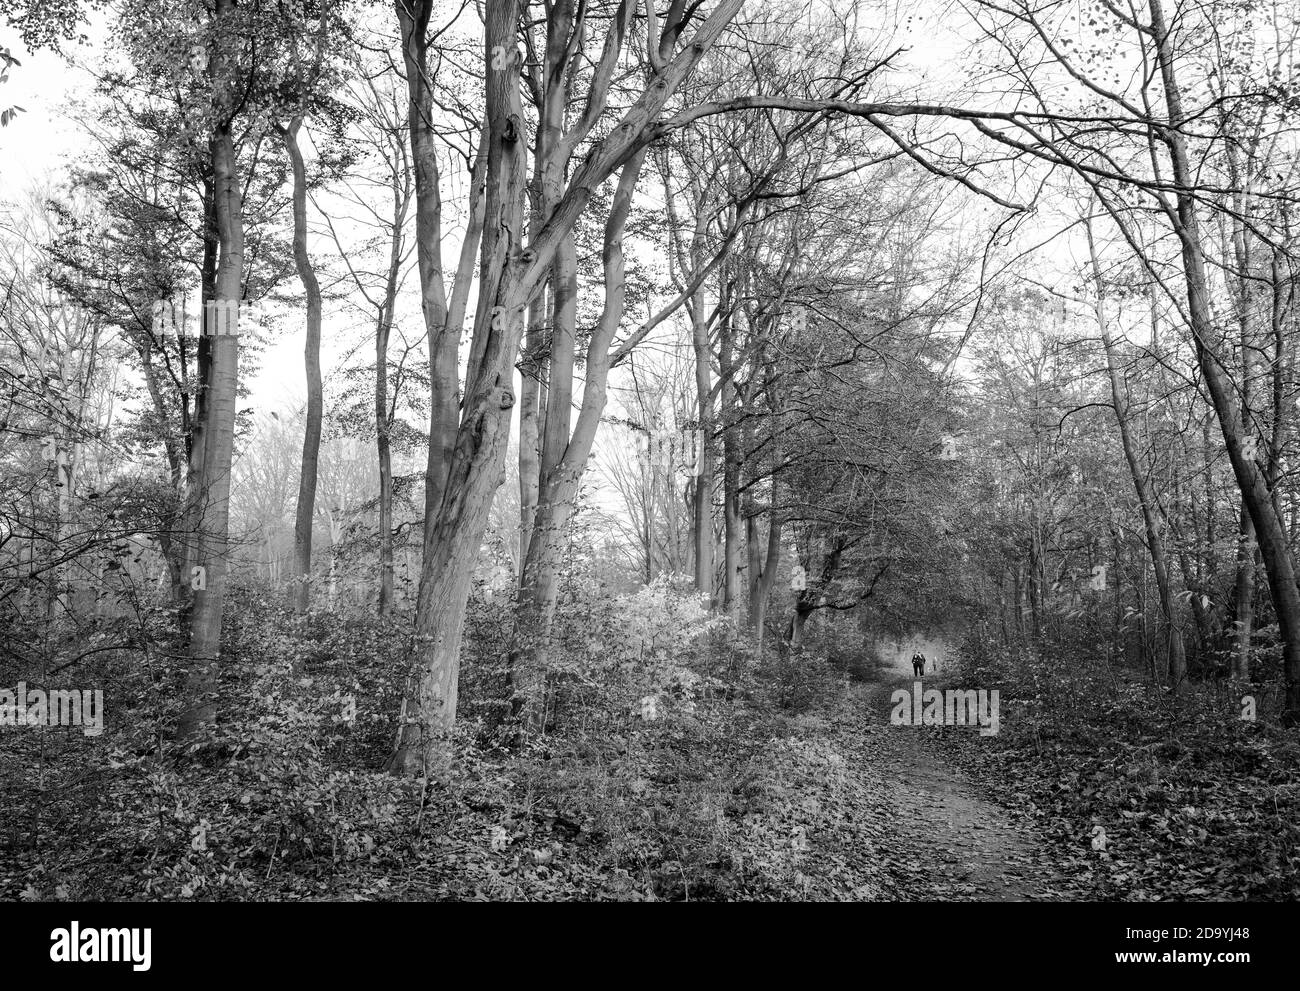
(41, 142)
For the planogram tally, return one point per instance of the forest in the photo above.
(619, 450)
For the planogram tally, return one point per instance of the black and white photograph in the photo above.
(607, 451)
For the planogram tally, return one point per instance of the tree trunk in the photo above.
(760, 591)
(731, 457)
(385, 410)
(794, 632)
(1269, 528)
(171, 546)
(811, 599)
(702, 507)
(1175, 652)
(383, 428)
(1244, 581)
(731, 536)
(211, 560)
(306, 511)
(1159, 559)
(559, 489)
(465, 467)
(413, 22)
(456, 514)
(1243, 595)
(201, 379)
(530, 397)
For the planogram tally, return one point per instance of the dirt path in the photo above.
(950, 842)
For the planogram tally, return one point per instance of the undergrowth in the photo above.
(700, 797)
(1158, 796)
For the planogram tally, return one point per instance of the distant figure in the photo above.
(918, 664)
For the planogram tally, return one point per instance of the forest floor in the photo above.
(876, 812)
(949, 841)
(771, 781)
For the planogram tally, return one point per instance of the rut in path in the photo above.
(951, 843)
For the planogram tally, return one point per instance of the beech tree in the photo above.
(461, 483)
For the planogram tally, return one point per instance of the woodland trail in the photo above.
(950, 841)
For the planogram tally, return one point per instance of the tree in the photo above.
(379, 128)
(307, 81)
(510, 272)
(1177, 658)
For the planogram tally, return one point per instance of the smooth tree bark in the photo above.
(702, 491)
(198, 378)
(443, 339)
(212, 437)
(732, 456)
(545, 427)
(424, 709)
(384, 412)
(763, 565)
(210, 562)
(465, 461)
(310, 466)
(558, 470)
(689, 261)
(511, 271)
(444, 315)
(543, 523)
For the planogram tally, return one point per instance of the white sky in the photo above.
(41, 142)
